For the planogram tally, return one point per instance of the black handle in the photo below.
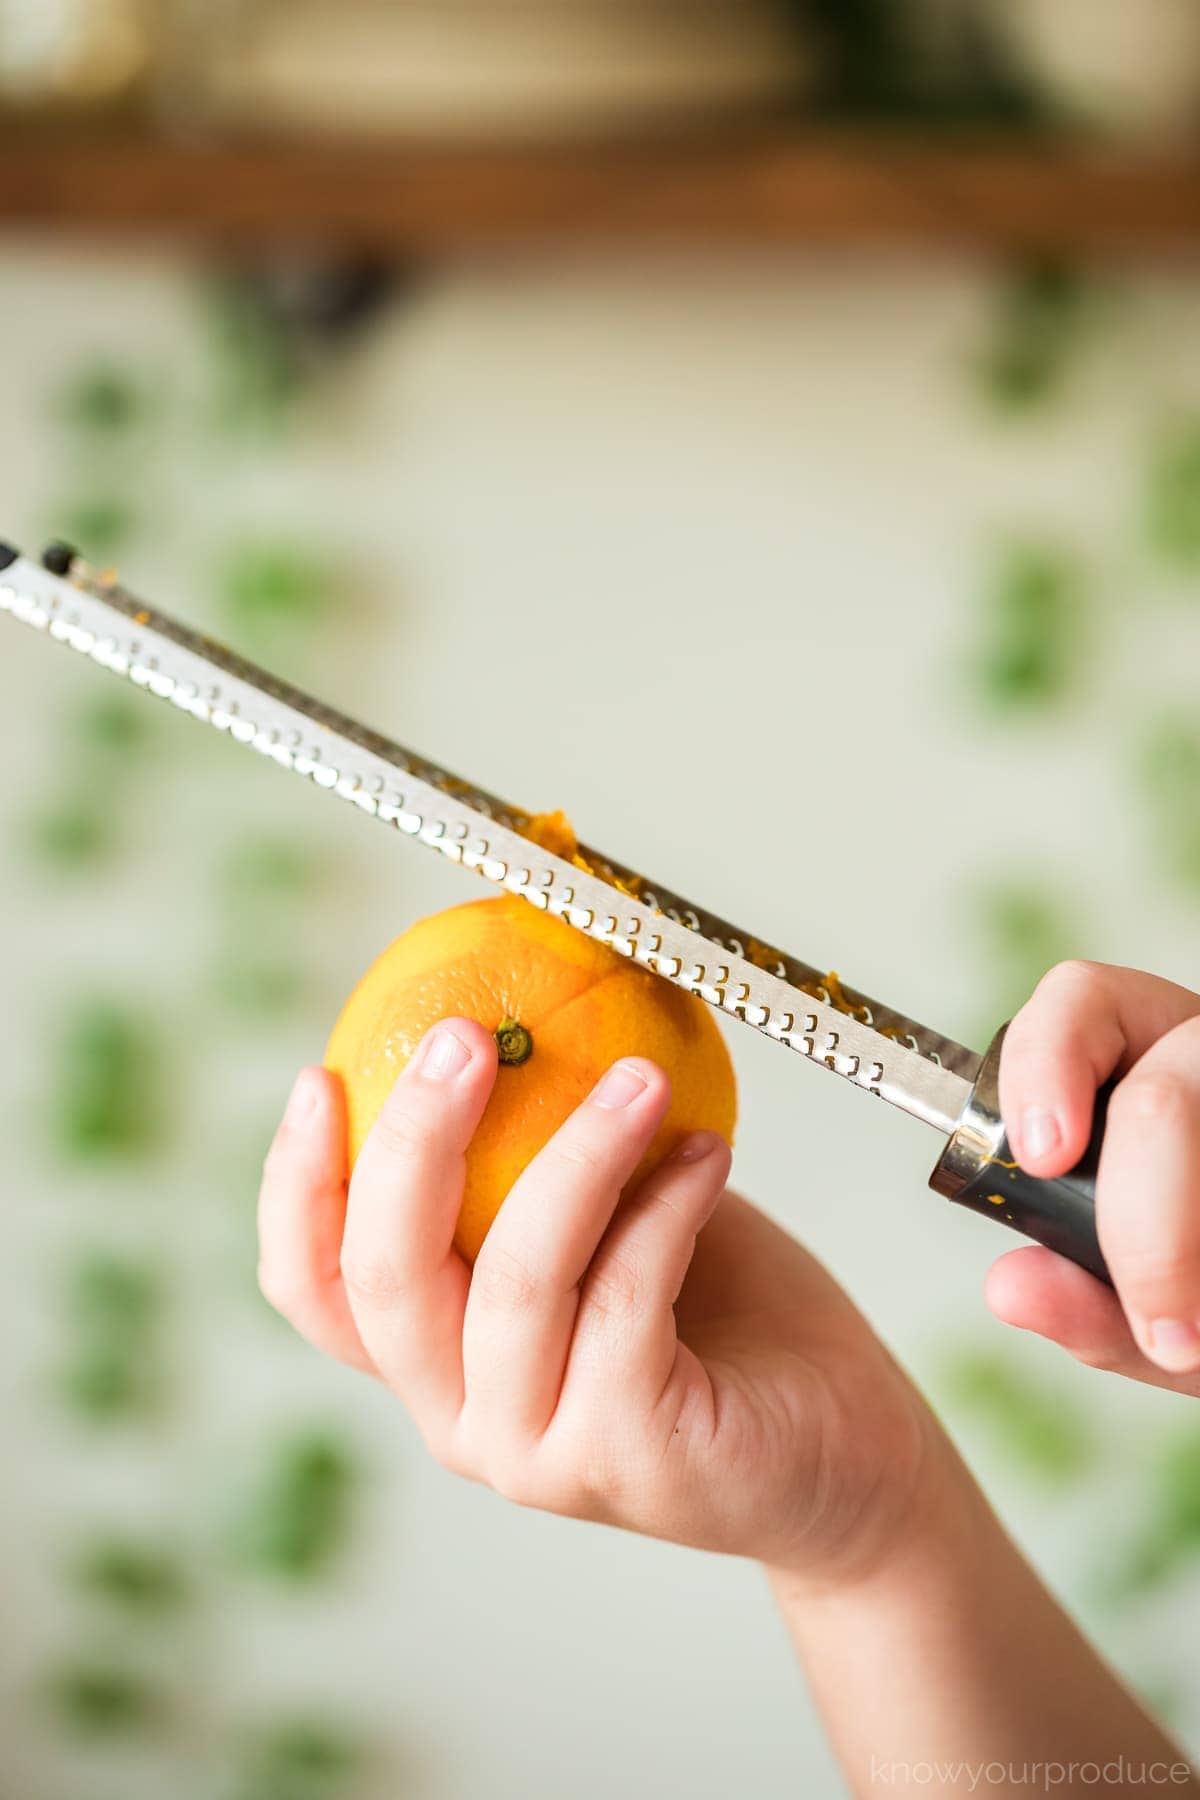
(978, 1169)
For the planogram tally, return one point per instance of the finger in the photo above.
(1148, 1198)
(525, 1287)
(301, 1211)
(625, 1329)
(1083, 1021)
(740, 1256)
(406, 1285)
(1035, 1290)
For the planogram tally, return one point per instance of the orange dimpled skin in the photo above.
(583, 1006)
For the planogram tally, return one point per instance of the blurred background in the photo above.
(771, 432)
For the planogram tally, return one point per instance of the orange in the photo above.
(577, 1003)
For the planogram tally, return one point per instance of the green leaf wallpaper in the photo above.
(117, 1062)
(783, 609)
(303, 1510)
(1032, 637)
(1173, 495)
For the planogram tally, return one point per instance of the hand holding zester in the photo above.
(1089, 1027)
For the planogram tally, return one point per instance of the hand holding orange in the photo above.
(562, 1007)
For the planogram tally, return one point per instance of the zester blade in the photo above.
(870, 1044)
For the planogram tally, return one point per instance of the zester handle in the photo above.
(977, 1169)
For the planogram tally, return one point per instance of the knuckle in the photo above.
(403, 1135)
(1151, 1275)
(564, 1491)
(1155, 1099)
(567, 1478)
(371, 1282)
(577, 1156)
(445, 1450)
(1071, 975)
(569, 1494)
(509, 1474)
(581, 1478)
(616, 1286)
(503, 1280)
(1061, 989)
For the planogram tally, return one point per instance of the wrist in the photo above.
(935, 1522)
(948, 1654)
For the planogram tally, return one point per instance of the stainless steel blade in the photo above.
(870, 1044)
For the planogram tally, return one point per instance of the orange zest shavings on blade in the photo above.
(830, 990)
(763, 957)
(553, 831)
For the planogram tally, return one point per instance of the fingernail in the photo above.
(445, 1056)
(699, 1145)
(302, 1099)
(1174, 1344)
(1039, 1133)
(621, 1085)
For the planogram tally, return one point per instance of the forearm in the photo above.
(951, 1670)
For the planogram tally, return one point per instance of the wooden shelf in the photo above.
(778, 188)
